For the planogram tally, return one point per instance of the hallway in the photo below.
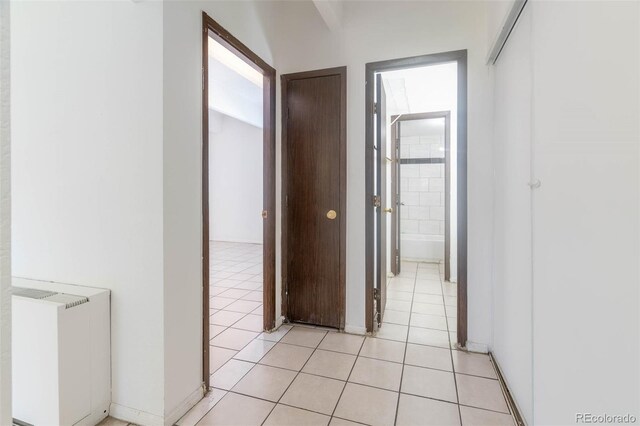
(406, 375)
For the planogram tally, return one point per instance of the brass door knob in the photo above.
(264, 214)
(331, 214)
(388, 210)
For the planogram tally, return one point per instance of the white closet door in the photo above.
(512, 222)
(586, 227)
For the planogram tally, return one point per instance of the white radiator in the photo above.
(61, 349)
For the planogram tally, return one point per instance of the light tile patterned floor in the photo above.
(408, 374)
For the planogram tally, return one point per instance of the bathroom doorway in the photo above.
(416, 228)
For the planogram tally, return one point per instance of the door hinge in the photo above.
(375, 107)
(286, 201)
(203, 79)
(376, 201)
(376, 294)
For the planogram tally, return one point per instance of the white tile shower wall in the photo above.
(422, 192)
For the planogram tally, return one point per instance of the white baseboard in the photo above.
(279, 321)
(477, 347)
(143, 418)
(184, 406)
(355, 329)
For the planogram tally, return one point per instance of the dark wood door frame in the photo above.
(211, 28)
(285, 79)
(397, 131)
(460, 57)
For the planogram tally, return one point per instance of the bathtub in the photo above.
(421, 247)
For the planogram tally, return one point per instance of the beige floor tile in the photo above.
(474, 364)
(427, 336)
(435, 322)
(451, 301)
(214, 291)
(265, 382)
(284, 415)
(218, 357)
(478, 417)
(342, 342)
(232, 338)
(395, 317)
(201, 408)
(406, 296)
(303, 336)
(429, 357)
(277, 335)
(255, 350)
(449, 289)
(234, 293)
(428, 274)
(314, 393)
(219, 302)
(110, 421)
(386, 350)
(250, 285)
(434, 299)
(330, 364)
(214, 330)
(335, 421)
(251, 323)
(414, 410)
(428, 265)
(398, 305)
(287, 356)
(452, 322)
(229, 374)
(392, 332)
(377, 373)
(428, 287)
(480, 392)
(225, 318)
(367, 405)
(237, 410)
(401, 284)
(429, 383)
(244, 306)
(255, 296)
(425, 308)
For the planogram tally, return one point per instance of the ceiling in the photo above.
(424, 89)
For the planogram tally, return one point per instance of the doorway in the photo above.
(238, 233)
(314, 197)
(416, 227)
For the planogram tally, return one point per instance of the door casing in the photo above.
(460, 57)
(224, 37)
(397, 132)
(342, 217)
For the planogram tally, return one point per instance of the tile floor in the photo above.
(407, 374)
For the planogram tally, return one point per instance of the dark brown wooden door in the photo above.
(381, 190)
(313, 203)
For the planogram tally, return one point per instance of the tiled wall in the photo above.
(422, 187)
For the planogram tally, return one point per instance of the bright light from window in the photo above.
(231, 61)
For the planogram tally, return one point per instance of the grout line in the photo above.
(406, 345)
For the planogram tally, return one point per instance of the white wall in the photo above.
(579, 91)
(301, 42)
(5, 218)
(182, 196)
(235, 182)
(87, 172)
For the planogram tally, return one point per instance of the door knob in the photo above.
(264, 214)
(331, 214)
(388, 210)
